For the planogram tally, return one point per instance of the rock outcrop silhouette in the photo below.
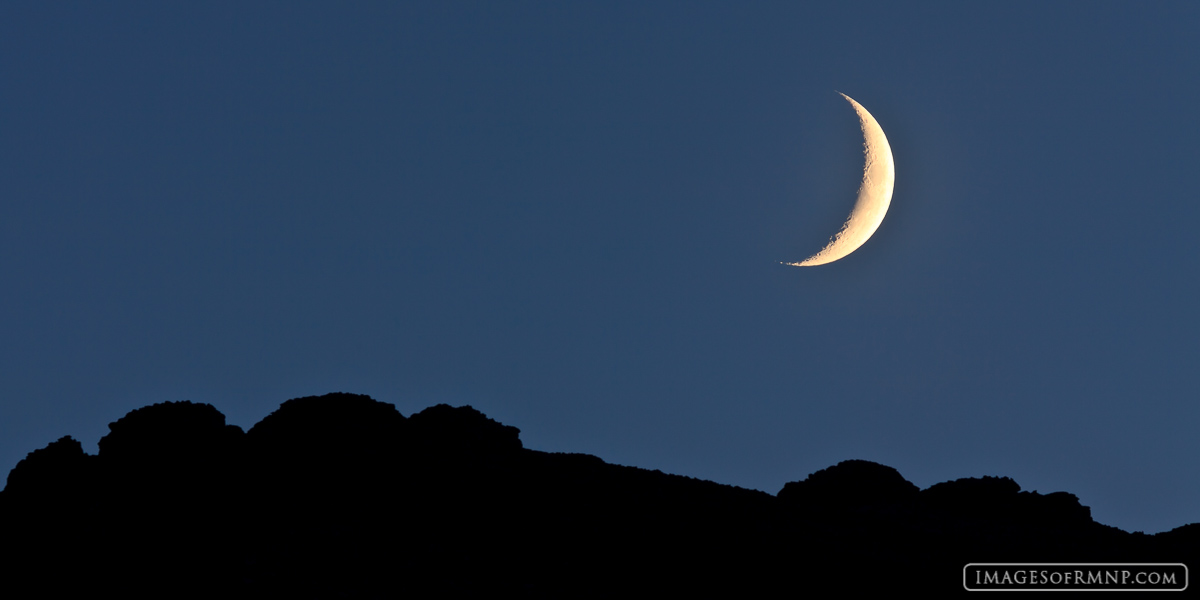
(850, 485)
(341, 496)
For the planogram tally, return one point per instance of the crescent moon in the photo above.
(874, 195)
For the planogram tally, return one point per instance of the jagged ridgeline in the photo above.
(341, 496)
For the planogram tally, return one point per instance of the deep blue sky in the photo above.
(571, 216)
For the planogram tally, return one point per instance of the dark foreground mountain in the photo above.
(340, 496)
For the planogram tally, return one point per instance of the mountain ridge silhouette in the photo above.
(342, 496)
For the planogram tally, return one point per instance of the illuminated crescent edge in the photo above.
(874, 195)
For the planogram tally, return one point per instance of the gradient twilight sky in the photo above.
(571, 217)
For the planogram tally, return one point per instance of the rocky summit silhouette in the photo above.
(341, 496)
